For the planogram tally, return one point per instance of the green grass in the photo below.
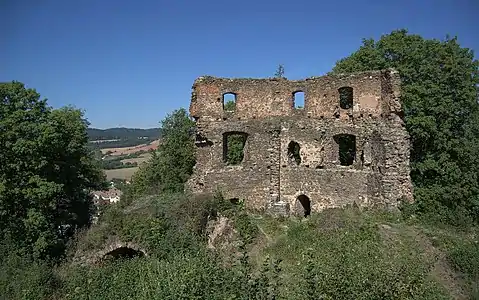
(337, 254)
(353, 255)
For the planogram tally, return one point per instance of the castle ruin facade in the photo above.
(346, 145)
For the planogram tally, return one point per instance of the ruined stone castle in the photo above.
(346, 145)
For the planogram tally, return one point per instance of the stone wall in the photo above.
(268, 178)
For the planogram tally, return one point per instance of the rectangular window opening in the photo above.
(233, 147)
(347, 148)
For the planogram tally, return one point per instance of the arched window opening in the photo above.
(347, 148)
(229, 102)
(346, 97)
(233, 147)
(294, 155)
(305, 204)
(123, 252)
(298, 100)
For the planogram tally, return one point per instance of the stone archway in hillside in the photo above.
(123, 252)
(113, 249)
(117, 249)
(303, 205)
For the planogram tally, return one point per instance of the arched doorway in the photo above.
(123, 252)
(305, 204)
(294, 155)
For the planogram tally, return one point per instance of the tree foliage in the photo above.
(235, 148)
(279, 72)
(46, 171)
(440, 101)
(169, 167)
(230, 106)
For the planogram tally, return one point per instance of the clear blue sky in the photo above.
(129, 63)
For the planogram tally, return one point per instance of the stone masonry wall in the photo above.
(267, 178)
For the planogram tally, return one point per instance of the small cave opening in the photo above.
(234, 201)
(305, 204)
(122, 253)
(294, 155)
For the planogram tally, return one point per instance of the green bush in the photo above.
(464, 256)
(247, 229)
(23, 278)
(344, 254)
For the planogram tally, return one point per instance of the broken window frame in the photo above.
(227, 103)
(305, 203)
(295, 104)
(346, 97)
(234, 139)
(294, 153)
(347, 150)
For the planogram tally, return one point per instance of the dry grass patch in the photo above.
(143, 158)
(124, 173)
(130, 150)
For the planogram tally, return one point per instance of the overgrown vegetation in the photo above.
(235, 144)
(171, 165)
(46, 172)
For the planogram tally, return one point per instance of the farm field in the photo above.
(130, 150)
(124, 173)
(144, 157)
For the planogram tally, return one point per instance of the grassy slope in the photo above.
(124, 173)
(338, 254)
(371, 250)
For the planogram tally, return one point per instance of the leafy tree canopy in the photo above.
(230, 106)
(169, 167)
(440, 101)
(279, 72)
(46, 171)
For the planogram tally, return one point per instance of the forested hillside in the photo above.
(121, 137)
(168, 244)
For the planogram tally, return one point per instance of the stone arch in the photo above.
(299, 99)
(118, 249)
(229, 101)
(294, 153)
(302, 205)
(113, 246)
(123, 252)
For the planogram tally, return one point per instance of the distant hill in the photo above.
(121, 137)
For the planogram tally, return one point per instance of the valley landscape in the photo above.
(342, 166)
(126, 147)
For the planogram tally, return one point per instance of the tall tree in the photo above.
(279, 72)
(173, 163)
(46, 171)
(440, 101)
